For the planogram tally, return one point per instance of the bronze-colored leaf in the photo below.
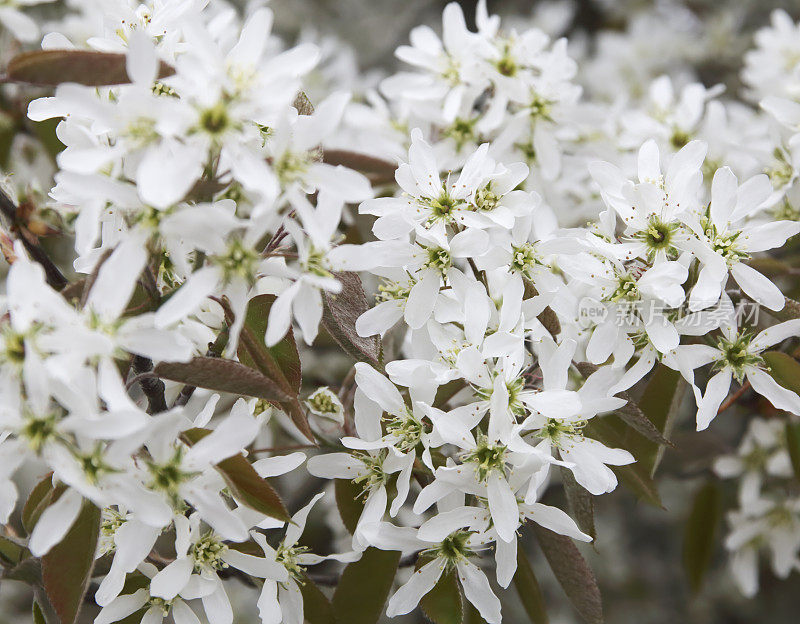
(86, 67)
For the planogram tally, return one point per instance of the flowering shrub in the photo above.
(167, 381)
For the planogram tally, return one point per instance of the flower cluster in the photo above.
(216, 213)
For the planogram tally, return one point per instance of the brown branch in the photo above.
(734, 397)
(152, 387)
(52, 273)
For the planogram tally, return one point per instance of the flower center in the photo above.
(524, 258)
(487, 457)
(438, 259)
(737, 356)
(288, 557)
(239, 261)
(454, 547)
(207, 553)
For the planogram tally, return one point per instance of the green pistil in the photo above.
(392, 291)
(288, 557)
(207, 553)
(215, 120)
(514, 389)
(316, 263)
(438, 259)
(142, 131)
(487, 457)
(725, 245)
(539, 107)
(374, 475)
(13, 347)
(111, 521)
(485, 199)
(159, 88)
(407, 429)
(442, 208)
(94, 465)
(39, 430)
(462, 131)
(780, 172)
(159, 603)
(737, 356)
(322, 402)
(453, 548)
(658, 236)
(524, 258)
(627, 289)
(291, 166)
(679, 138)
(556, 431)
(169, 476)
(451, 73)
(785, 212)
(239, 261)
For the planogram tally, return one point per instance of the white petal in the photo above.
(169, 582)
(503, 505)
(478, 591)
(557, 521)
(716, 390)
(379, 389)
(54, 522)
(189, 297)
(758, 286)
(780, 397)
(408, 595)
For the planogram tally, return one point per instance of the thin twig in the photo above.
(141, 377)
(734, 397)
(152, 387)
(53, 274)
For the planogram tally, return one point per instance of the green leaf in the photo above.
(11, 553)
(660, 403)
(701, 528)
(631, 413)
(793, 444)
(26, 571)
(340, 312)
(284, 353)
(361, 593)
(784, 369)
(244, 482)
(443, 604)
(580, 502)
(38, 616)
(41, 497)
(67, 568)
(317, 609)
(223, 376)
(635, 476)
(349, 502)
(280, 364)
(528, 590)
(471, 614)
(86, 67)
(573, 574)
